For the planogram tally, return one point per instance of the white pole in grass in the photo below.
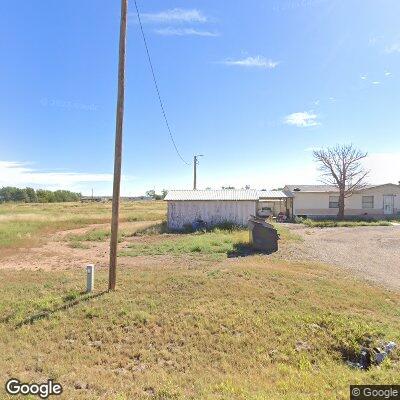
(89, 278)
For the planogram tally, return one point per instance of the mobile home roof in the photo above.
(223, 194)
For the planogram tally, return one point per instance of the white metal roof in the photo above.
(326, 188)
(312, 188)
(223, 194)
(273, 194)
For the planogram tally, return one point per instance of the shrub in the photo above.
(226, 226)
(335, 223)
(156, 229)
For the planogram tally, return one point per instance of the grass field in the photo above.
(211, 243)
(187, 320)
(219, 243)
(25, 224)
(251, 330)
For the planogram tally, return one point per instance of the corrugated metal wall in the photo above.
(181, 213)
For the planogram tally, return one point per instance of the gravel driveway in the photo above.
(372, 253)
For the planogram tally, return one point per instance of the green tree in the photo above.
(20, 195)
(151, 193)
(7, 193)
(45, 196)
(32, 197)
(29, 195)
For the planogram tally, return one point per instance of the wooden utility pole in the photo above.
(194, 172)
(195, 163)
(118, 147)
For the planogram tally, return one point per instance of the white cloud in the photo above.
(376, 83)
(257, 61)
(14, 173)
(393, 48)
(177, 15)
(387, 73)
(363, 77)
(302, 119)
(184, 32)
(373, 40)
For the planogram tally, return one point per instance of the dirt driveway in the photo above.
(372, 253)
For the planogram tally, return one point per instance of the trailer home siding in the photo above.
(315, 201)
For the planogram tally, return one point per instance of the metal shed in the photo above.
(213, 207)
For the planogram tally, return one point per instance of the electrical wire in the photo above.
(156, 86)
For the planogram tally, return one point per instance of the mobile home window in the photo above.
(333, 201)
(368, 202)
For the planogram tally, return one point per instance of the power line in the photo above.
(156, 86)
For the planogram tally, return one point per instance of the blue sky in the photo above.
(252, 85)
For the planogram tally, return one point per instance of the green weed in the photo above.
(348, 224)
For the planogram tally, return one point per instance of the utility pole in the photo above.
(118, 147)
(195, 163)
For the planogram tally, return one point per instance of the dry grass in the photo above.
(127, 230)
(23, 225)
(247, 328)
(186, 322)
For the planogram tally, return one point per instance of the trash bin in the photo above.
(263, 236)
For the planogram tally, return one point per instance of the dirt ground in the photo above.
(56, 253)
(371, 253)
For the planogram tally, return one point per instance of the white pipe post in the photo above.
(89, 278)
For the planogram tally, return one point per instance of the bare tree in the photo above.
(341, 166)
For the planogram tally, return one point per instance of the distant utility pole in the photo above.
(195, 163)
(118, 147)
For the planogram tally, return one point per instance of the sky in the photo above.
(252, 85)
